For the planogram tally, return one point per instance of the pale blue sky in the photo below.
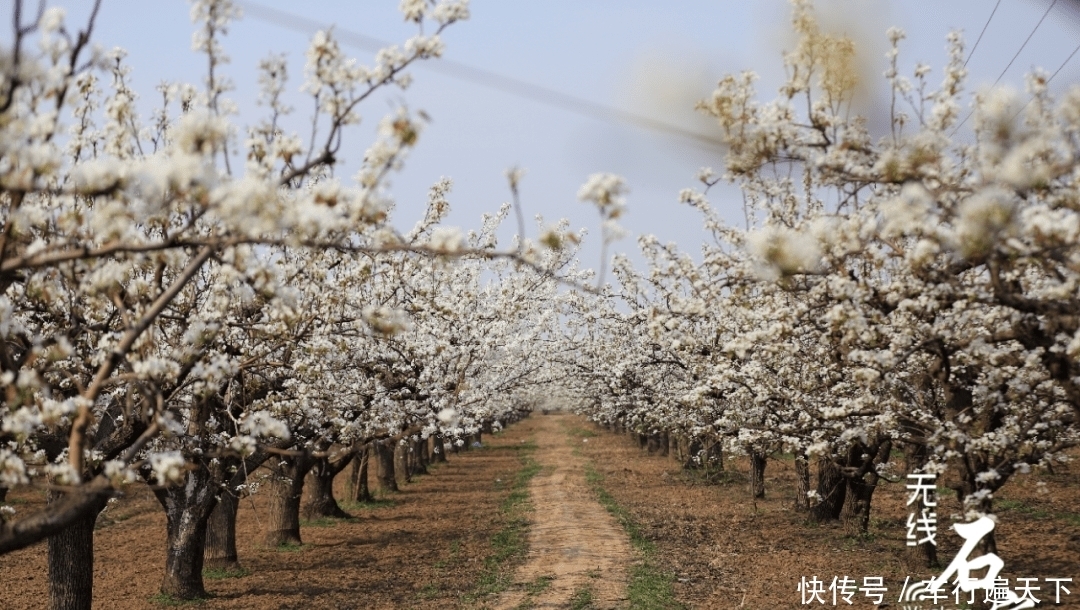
(649, 57)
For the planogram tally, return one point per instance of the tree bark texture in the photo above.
(187, 511)
(401, 463)
(758, 461)
(862, 462)
(359, 491)
(286, 490)
(438, 449)
(220, 551)
(384, 465)
(320, 488)
(925, 554)
(417, 459)
(831, 489)
(802, 483)
(71, 561)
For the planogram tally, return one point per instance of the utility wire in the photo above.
(486, 78)
(1018, 51)
(979, 39)
(1026, 40)
(1067, 60)
(1047, 83)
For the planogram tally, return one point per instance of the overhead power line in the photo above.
(1063, 64)
(979, 39)
(487, 78)
(1009, 65)
(1026, 40)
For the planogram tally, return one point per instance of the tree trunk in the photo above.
(438, 449)
(220, 551)
(417, 463)
(925, 554)
(358, 479)
(831, 489)
(187, 511)
(860, 488)
(401, 463)
(857, 507)
(71, 562)
(757, 474)
(320, 488)
(714, 455)
(802, 483)
(425, 452)
(677, 449)
(664, 443)
(692, 454)
(384, 465)
(286, 490)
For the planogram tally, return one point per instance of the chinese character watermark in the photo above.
(922, 525)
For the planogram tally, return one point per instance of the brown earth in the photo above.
(725, 550)
(423, 547)
(426, 546)
(574, 544)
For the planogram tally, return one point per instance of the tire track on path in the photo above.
(574, 544)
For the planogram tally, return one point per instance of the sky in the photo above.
(651, 58)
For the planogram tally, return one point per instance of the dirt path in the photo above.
(577, 551)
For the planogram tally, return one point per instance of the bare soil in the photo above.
(423, 547)
(426, 546)
(574, 544)
(727, 551)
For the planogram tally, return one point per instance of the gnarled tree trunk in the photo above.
(925, 554)
(862, 461)
(384, 465)
(438, 449)
(758, 462)
(71, 561)
(831, 488)
(802, 483)
(320, 487)
(286, 489)
(187, 510)
(417, 460)
(401, 463)
(220, 551)
(358, 478)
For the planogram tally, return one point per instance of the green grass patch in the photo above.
(1022, 508)
(429, 591)
(455, 552)
(539, 585)
(650, 587)
(580, 432)
(321, 522)
(224, 573)
(290, 547)
(525, 446)
(375, 504)
(508, 544)
(582, 599)
(1070, 518)
(164, 599)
